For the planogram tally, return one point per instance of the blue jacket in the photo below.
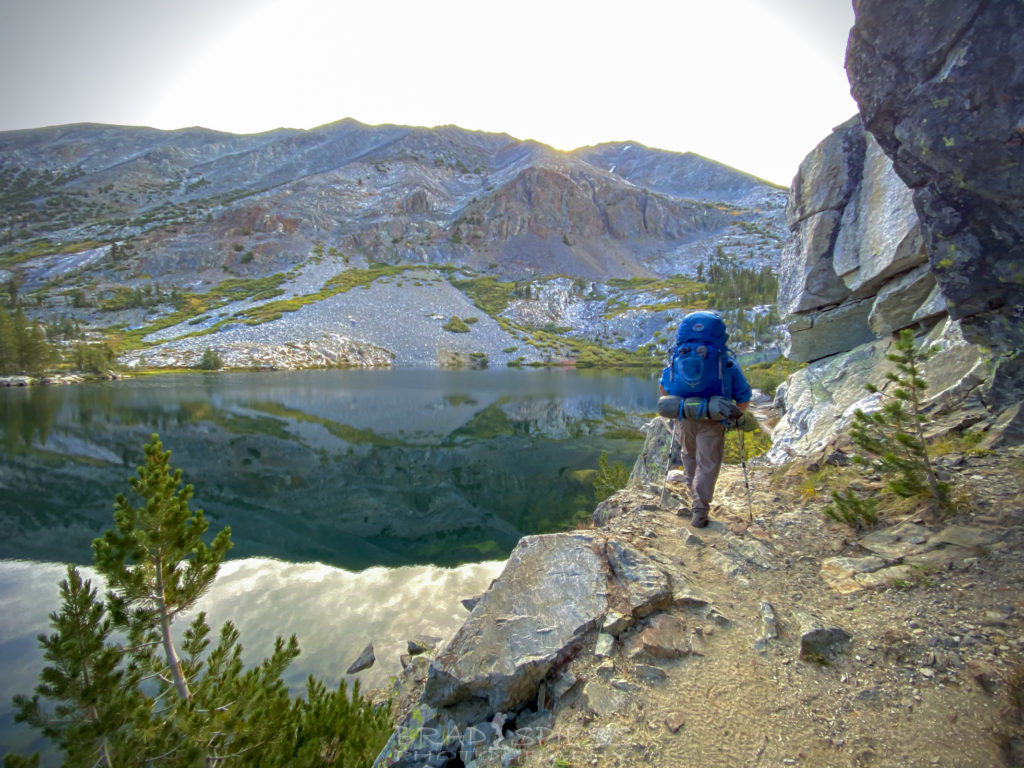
(734, 382)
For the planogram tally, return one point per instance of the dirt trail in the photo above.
(923, 680)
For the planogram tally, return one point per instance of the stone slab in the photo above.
(552, 592)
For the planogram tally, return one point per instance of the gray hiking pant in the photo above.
(703, 443)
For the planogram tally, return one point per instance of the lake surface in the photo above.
(363, 504)
(349, 468)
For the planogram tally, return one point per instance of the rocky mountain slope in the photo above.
(95, 216)
(185, 199)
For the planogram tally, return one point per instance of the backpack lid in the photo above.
(704, 327)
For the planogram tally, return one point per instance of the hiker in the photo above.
(702, 371)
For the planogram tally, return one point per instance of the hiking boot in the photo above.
(699, 519)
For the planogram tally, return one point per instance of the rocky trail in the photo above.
(785, 639)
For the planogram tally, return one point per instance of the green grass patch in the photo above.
(192, 305)
(255, 289)
(355, 278)
(595, 356)
(768, 376)
(674, 283)
(37, 248)
(456, 325)
(672, 293)
(340, 283)
(489, 294)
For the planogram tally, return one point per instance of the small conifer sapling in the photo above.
(892, 437)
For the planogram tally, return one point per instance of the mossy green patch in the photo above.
(340, 283)
(256, 289)
(455, 324)
(594, 356)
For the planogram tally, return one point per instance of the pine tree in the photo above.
(329, 728)
(23, 345)
(609, 478)
(92, 358)
(893, 437)
(8, 346)
(150, 702)
(211, 360)
(155, 561)
(96, 695)
(36, 353)
(12, 287)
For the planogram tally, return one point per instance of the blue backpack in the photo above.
(700, 359)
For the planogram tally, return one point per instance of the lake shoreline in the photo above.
(57, 379)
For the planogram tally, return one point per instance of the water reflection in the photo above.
(350, 468)
(334, 613)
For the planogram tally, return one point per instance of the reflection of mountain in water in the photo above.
(346, 467)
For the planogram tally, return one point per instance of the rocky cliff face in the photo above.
(908, 216)
(940, 86)
(854, 267)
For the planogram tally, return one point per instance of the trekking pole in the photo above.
(668, 462)
(746, 481)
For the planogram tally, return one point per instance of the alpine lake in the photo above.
(363, 505)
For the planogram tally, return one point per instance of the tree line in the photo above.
(729, 284)
(32, 348)
(23, 344)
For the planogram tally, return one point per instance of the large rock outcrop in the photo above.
(552, 592)
(940, 86)
(820, 400)
(561, 597)
(911, 215)
(851, 270)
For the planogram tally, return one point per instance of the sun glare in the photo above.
(726, 80)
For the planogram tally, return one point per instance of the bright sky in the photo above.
(754, 84)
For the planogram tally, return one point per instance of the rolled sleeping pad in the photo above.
(723, 409)
(716, 408)
(668, 406)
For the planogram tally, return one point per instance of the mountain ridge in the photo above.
(186, 210)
